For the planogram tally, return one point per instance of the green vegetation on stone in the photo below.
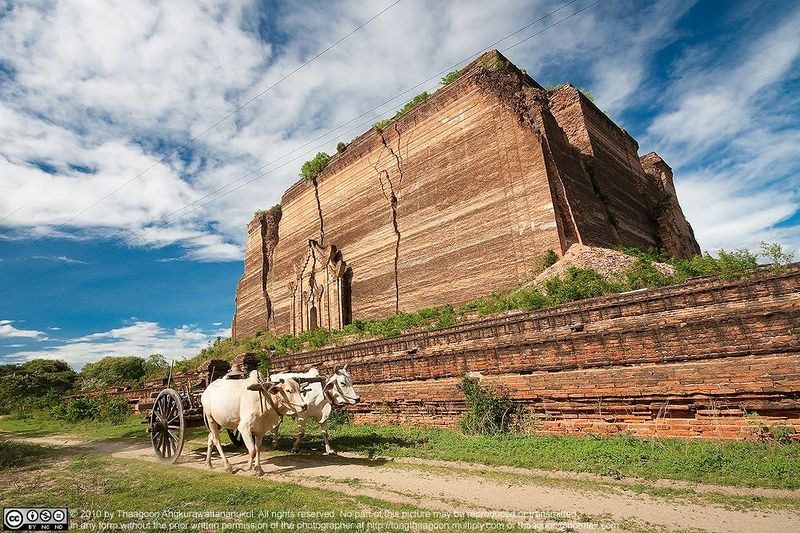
(312, 168)
(450, 77)
(487, 413)
(420, 98)
(275, 209)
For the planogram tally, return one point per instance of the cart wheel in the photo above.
(236, 438)
(167, 426)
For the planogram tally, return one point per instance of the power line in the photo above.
(209, 128)
(14, 211)
(165, 218)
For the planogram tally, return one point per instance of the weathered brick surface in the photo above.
(454, 200)
(685, 361)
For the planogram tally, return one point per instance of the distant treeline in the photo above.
(37, 387)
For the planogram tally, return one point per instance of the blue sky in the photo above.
(93, 94)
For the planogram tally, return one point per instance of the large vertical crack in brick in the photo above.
(319, 212)
(269, 240)
(390, 190)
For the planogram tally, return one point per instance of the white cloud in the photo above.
(730, 131)
(7, 330)
(139, 338)
(59, 258)
(54, 328)
(101, 91)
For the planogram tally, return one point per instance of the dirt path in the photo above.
(480, 489)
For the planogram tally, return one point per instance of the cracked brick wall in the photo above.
(456, 199)
(709, 359)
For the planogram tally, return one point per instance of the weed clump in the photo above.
(487, 413)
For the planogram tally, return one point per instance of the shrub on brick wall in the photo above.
(487, 413)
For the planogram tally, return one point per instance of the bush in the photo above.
(776, 254)
(578, 284)
(312, 168)
(28, 386)
(113, 371)
(338, 417)
(341, 147)
(450, 77)
(101, 408)
(642, 274)
(486, 413)
(414, 102)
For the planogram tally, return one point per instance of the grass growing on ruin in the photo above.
(98, 482)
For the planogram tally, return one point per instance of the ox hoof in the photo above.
(228, 469)
(258, 471)
(210, 466)
(295, 450)
(331, 452)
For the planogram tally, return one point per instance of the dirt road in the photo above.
(480, 489)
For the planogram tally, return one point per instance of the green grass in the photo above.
(739, 463)
(97, 487)
(88, 430)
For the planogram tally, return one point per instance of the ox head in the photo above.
(340, 387)
(285, 394)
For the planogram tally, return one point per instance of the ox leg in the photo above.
(208, 451)
(328, 449)
(301, 431)
(252, 449)
(214, 437)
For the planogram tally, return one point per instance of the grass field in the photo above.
(726, 463)
(99, 489)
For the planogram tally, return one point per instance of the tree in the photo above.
(34, 381)
(113, 370)
(155, 365)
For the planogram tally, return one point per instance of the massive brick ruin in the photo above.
(708, 359)
(454, 200)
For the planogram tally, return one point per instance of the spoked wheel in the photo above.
(167, 426)
(236, 438)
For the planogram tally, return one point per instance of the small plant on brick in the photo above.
(642, 274)
(487, 413)
(312, 168)
(450, 77)
(414, 102)
(776, 254)
(782, 433)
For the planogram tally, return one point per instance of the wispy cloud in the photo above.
(60, 258)
(7, 330)
(139, 338)
(731, 131)
(100, 91)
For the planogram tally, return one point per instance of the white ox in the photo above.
(251, 406)
(321, 396)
